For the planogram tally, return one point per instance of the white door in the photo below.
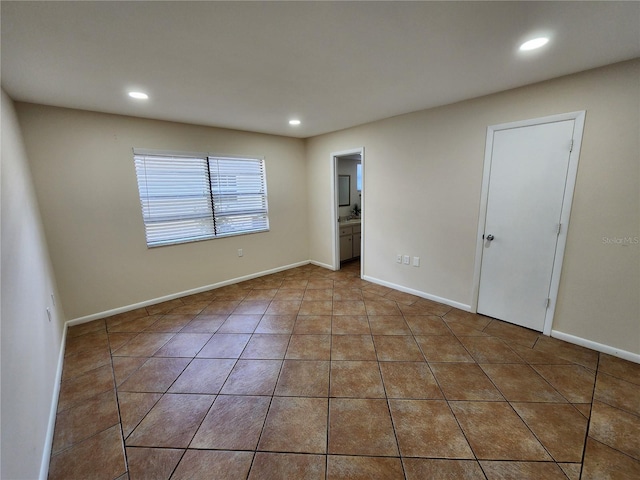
(526, 189)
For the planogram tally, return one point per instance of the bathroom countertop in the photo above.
(354, 221)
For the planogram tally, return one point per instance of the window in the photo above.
(191, 197)
(359, 177)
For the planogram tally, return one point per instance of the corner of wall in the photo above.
(32, 316)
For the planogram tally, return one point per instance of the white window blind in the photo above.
(239, 190)
(191, 198)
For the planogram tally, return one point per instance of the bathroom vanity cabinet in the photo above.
(350, 237)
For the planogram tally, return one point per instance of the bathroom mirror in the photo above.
(344, 190)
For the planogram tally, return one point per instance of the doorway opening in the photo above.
(348, 207)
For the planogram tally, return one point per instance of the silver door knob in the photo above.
(490, 237)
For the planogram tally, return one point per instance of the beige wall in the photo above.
(30, 342)
(85, 179)
(423, 174)
(422, 184)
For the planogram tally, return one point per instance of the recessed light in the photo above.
(139, 95)
(535, 43)
(294, 122)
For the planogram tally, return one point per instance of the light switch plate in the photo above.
(405, 259)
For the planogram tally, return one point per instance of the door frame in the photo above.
(334, 206)
(572, 172)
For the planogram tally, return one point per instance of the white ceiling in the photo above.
(255, 65)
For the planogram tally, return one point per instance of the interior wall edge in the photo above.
(599, 347)
(32, 314)
(127, 308)
(321, 264)
(446, 144)
(428, 296)
(95, 230)
(48, 445)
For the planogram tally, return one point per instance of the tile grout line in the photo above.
(80, 403)
(586, 433)
(272, 396)
(331, 360)
(328, 431)
(115, 391)
(386, 396)
(464, 434)
(505, 399)
(167, 390)
(509, 402)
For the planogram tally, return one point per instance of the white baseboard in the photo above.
(323, 265)
(51, 425)
(417, 293)
(153, 301)
(599, 347)
(46, 456)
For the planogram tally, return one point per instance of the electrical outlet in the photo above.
(416, 261)
(398, 258)
(240, 252)
(405, 259)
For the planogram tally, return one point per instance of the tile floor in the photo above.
(310, 373)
